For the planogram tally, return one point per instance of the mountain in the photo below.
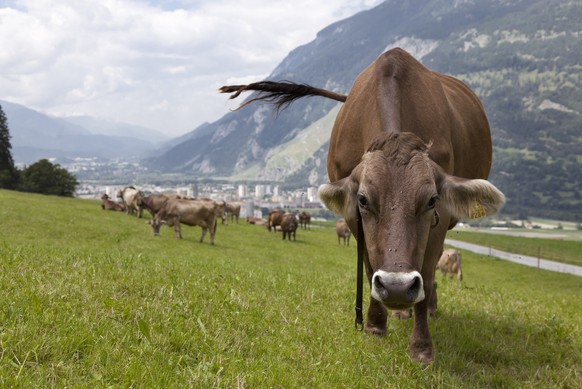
(36, 136)
(109, 128)
(521, 57)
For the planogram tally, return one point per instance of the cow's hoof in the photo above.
(426, 357)
(422, 353)
(402, 315)
(375, 330)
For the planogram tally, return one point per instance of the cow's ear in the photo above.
(469, 199)
(340, 197)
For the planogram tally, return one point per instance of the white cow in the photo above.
(450, 262)
(130, 198)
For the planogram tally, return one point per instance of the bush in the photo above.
(47, 178)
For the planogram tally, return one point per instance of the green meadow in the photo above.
(91, 299)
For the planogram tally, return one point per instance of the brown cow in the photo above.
(343, 231)
(274, 219)
(189, 212)
(233, 211)
(110, 205)
(289, 225)
(154, 202)
(450, 262)
(305, 220)
(255, 220)
(409, 152)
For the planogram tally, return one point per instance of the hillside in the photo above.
(521, 57)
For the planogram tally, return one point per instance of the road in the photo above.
(518, 258)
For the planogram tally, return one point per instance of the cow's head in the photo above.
(156, 224)
(446, 260)
(399, 193)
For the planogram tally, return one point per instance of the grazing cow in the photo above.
(153, 203)
(189, 212)
(289, 225)
(305, 220)
(233, 211)
(450, 262)
(110, 205)
(343, 231)
(408, 155)
(274, 219)
(129, 197)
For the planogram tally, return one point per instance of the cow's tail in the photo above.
(280, 94)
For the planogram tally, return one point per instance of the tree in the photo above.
(47, 178)
(8, 172)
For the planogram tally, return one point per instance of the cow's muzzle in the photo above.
(397, 290)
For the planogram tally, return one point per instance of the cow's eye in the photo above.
(432, 202)
(362, 201)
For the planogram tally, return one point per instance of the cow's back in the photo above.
(129, 195)
(194, 212)
(397, 93)
(274, 219)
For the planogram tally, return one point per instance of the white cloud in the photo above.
(155, 63)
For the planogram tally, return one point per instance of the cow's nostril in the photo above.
(415, 287)
(378, 283)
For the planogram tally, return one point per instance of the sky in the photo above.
(152, 63)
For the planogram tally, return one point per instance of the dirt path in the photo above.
(518, 258)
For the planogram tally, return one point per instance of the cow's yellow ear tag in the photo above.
(477, 211)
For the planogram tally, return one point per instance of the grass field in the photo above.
(566, 251)
(91, 298)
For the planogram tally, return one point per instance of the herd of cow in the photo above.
(173, 210)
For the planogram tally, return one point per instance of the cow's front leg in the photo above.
(203, 235)
(420, 342)
(212, 233)
(177, 229)
(377, 317)
(433, 300)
